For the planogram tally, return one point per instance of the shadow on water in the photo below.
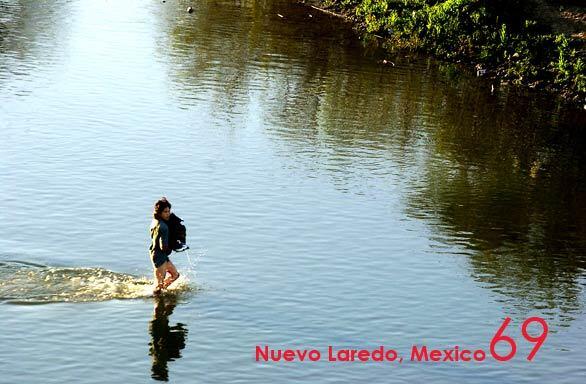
(167, 340)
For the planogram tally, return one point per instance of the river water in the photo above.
(330, 200)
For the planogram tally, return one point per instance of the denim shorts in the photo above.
(159, 259)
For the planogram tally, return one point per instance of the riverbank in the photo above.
(534, 43)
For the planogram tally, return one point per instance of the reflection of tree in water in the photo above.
(29, 39)
(297, 67)
(502, 175)
(309, 86)
(166, 341)
(507, 181)
(226, 50)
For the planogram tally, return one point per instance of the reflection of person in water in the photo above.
(166, 342)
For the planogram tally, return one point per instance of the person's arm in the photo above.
(164, 238)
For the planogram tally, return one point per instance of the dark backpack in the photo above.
(177, 233)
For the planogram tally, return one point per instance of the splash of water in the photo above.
(192, 263)
(27, 283)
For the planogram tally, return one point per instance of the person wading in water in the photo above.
(161, 248)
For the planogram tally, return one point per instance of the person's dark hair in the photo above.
(160, 206)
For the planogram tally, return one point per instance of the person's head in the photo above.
(162, 209)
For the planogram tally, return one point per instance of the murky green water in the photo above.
(330, 200)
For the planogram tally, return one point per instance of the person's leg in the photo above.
(170, 267)
(160, 272)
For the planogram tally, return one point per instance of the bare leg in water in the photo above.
(174, 275)
(160, 277)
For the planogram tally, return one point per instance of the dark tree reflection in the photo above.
(507, 181)
(498, 174)
(30, 40)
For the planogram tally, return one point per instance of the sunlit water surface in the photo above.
(329, 199)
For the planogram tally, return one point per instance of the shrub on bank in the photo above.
(499, 34)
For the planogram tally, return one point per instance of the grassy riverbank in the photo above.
(514, 41)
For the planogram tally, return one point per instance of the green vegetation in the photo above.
(504, 36)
